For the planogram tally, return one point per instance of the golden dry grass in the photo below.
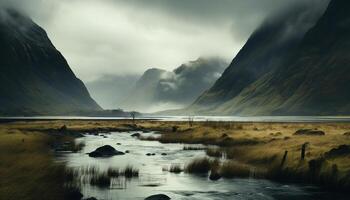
(27, 170)
(257, 145)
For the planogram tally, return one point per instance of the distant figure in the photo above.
(133, 116)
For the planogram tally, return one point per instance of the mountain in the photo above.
(314, 81)
(284, 72)
(35, 79)
(110, 90)
(142, 97)
(159, 89)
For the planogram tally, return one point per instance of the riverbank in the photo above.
(246, 145)
(316, 153)
(27, 168)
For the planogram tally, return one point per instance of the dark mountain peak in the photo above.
(35, 78)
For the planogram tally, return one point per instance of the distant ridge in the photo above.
(158, 89)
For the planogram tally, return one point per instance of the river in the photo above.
(154, 180)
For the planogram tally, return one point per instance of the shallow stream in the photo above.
(154, 180)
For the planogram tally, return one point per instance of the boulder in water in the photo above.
(136, 135)
(214, 175)
(158, 197)
(105, 151)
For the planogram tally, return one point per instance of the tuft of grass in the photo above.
(193, 148)
(130, 172)
(201, 165)
(214, 152)
(175, 168)
(101, 180)
(113, 172)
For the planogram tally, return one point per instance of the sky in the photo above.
(123, 37)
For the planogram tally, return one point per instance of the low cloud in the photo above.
(126, 37)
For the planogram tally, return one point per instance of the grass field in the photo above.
(28, 170)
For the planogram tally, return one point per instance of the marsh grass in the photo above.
(27, 169)
(129, 172)
(231, 169)
(101, 180)
(175, 168)
(193, 148)
(201, 165)
(214, 152)
(112, 172)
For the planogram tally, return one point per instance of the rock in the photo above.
(309, 132)
(136, 135)
(119, 143)
(214, 176)
(224, 135)
(342, 150)
(158, 197)
(153, 154)
(127, 151)
(148, 154)
(164, 154)
(105, 151)
(90, 198)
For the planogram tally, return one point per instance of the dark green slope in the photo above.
(314, 81)
(35, 78)
(265, 50)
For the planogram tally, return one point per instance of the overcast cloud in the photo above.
(100, 37)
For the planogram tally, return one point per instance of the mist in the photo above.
(119, 37)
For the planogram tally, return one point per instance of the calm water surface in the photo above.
(198, 118)
(153, 180)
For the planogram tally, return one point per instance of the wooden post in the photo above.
(303, 150)
(284, 158)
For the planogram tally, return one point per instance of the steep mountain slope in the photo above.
(158, 89)
(316, 78)
(35, 79)
(269, 47)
